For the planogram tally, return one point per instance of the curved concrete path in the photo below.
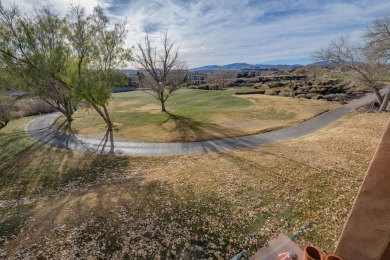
(41, 129)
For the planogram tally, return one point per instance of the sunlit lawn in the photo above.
(59, 204)
(196, 115)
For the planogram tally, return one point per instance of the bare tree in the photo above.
(377, 37)
(163, 70)
(357, 58)
(220, 77)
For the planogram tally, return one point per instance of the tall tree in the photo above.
(377, 38)
(358, 59)
(98, 51)
(36, 47)
(163, 70)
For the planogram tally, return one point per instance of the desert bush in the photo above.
(201, 86)
(276, 84)
(30, 107)
(301, 96)
(250, 92)
(286, 93)
(205, 87)
(214, 87)
(271, 92)
(329, 97)
(309, 95)
(317, 97)
(300, 72)
(340, 97)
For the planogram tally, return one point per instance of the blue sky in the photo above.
(228, 31)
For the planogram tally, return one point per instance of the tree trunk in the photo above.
(65, 108)
(107, 119)
(69, 111)
(385, 102)
(162, 102)
(378, 96)
(104, 114)
(68, 114)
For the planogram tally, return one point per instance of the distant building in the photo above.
(197, 78)
(133, 78)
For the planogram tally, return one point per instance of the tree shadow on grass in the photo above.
(188, 129)
(30, 171)
(121, 214)
(17, 153)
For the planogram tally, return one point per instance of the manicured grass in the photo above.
(59, 204)
(195, 115)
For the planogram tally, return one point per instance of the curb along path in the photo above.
(42, 130)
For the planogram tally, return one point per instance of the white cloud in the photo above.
(221, 32)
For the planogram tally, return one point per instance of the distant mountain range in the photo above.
(239, 66)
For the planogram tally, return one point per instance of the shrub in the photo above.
(300, 72)
(317, 97)
(214, 87)
(270, 92)
(250, 92)
(310, 95)
(205, 87)
(286, 93)
(329, 97)
(301, 96)
(31, 106)
(276, 84)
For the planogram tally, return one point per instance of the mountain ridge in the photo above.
(239, 66)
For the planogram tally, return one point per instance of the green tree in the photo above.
(98, 51)
(36, 47)
(164, 72)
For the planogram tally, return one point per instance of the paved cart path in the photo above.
(42, 130)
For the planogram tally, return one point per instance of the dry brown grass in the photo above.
(254, 122)
(171, 207)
